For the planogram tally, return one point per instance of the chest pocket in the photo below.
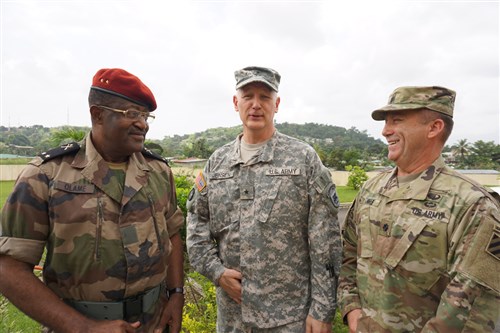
(223, 198)
(265, 204)
(420, 254)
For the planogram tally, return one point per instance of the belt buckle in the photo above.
(132, 306)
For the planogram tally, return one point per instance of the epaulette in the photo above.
(149, 153)
(65, 149)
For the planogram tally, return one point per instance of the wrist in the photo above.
(177, 290)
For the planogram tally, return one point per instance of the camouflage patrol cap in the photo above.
(251, 74)
(119, 82)
(433, 98)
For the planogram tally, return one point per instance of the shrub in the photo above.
(357, 176)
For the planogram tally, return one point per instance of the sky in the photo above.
(339, 60)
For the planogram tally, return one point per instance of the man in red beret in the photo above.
(106, 211)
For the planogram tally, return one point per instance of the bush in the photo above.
(200, 310)
(357, 176)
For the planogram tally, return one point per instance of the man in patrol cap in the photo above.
(421, 242)
(262, 222)
(105, 209)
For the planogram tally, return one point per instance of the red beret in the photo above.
(121, 83)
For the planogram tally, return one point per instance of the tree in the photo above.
(155, 147)
(462, 149)
(66, 135)
(357, 176)
(482, 155)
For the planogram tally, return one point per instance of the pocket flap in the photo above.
(404, 243)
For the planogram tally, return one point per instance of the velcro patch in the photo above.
(200, 182)
(493, 247)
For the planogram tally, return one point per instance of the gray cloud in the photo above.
(338, 60)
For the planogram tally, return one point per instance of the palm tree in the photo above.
(462, 149)
(66, 135)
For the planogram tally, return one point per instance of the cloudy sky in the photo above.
(338, 59)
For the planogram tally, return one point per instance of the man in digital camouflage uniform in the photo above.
(262, 222)
(421, 242)
(106, 210)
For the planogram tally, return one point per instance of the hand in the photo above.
(230, 281)
(172, 314)
(352, 320)
(317, 326)
(110, 326)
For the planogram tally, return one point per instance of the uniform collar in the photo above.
(266, 155)
(416, 189)
(95, 169)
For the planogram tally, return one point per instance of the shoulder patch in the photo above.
(69, 148)
(494, 244)
(200, 182)
(151, 154)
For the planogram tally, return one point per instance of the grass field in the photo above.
(14, 321)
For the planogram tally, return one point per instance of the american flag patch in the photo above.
(494, 245)
(200, 182)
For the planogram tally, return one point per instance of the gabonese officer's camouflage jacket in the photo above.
(275, 220)
(101, 246)
(422, 257)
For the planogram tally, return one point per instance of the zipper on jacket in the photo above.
(100, 217)
(155, 222)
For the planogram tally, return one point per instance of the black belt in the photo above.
(127, 308)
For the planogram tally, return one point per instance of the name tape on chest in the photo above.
(74, 187)
(283, 172)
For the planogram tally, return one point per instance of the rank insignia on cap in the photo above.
(200, 182)
(494, 245)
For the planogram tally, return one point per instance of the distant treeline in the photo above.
(337, 147)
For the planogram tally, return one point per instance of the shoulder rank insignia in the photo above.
(151, 154)
(69, 148)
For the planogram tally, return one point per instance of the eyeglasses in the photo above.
(131, 114)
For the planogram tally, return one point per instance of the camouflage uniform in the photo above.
(273, 219)
(105, 241)
(422, 257)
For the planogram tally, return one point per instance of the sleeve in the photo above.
(348, 290)
(25, 220)
(201, 247)
(325, 243)
(174, 218)
(470, 301)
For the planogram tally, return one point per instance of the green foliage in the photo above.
(200, 310)
(357, 176)
(66, 134)
(183, 184)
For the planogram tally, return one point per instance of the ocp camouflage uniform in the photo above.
(273, 219)
(424, 256)
(106, 240)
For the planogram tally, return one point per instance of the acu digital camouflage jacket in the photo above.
(273, 219)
